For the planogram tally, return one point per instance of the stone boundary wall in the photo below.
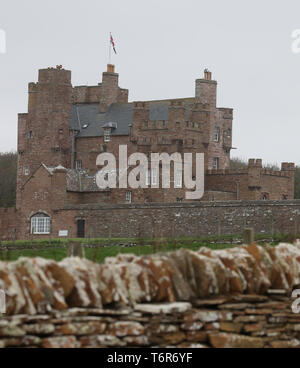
(186, 219)
(241, 321)
(239, 297)
(168, 219)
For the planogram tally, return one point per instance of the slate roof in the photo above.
(87, 119)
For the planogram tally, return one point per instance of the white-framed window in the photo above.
(128, 197)
(26, 171)
(148, 177)
(40, 224)
(178, 179)
(151, 177)
(216, 163)
(79, 164)
(216, 134)
(154, 176)
(106, 135)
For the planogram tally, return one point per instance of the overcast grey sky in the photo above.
(163, 46)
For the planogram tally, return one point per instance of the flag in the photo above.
(113, 43)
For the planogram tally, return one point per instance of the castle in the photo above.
(67, 127)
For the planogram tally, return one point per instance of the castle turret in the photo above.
(289, 170)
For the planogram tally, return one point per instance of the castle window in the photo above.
(229, 133)
(78, 164)
(216, 134)
(164, 123)
(178, 179)
(163, 140)
(106, 135)
(265, 196)
(128, 197)
(187, 124)
(178, 124)
(146, 124)
(40, 224)
(148, 177)
(216, 163)
(193, 142)
(151, 177)
(26, 171)
(30, 134)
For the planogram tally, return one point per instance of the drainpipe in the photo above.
(238, 190)
(73, 149)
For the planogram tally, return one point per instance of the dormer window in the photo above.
(107, 135)
(107, 130)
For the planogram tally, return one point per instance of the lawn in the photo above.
(98, 249)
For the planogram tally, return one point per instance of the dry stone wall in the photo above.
(238, 297)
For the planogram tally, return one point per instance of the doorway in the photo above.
(80, 228)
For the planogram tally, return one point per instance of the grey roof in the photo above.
(88, 114)
(90, 122)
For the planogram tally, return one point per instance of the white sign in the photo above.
(63, 233)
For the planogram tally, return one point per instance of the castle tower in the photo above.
(43, 133)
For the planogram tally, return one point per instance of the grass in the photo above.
(98, 249)
(99, 254)
(233, 238)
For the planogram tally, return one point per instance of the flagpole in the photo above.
(109, 59)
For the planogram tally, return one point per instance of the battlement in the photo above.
(288, 166)
(255, 162)
(225, 113)
(55, 75)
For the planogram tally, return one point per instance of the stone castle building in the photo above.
(66, 128)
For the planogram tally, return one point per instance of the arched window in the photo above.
(40, 224)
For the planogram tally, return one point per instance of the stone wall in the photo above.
(9, 223)
(153, 219)
(184, 219)
(237, 297)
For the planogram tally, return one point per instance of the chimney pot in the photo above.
(110, 68)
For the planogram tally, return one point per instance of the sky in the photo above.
(163, 46)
